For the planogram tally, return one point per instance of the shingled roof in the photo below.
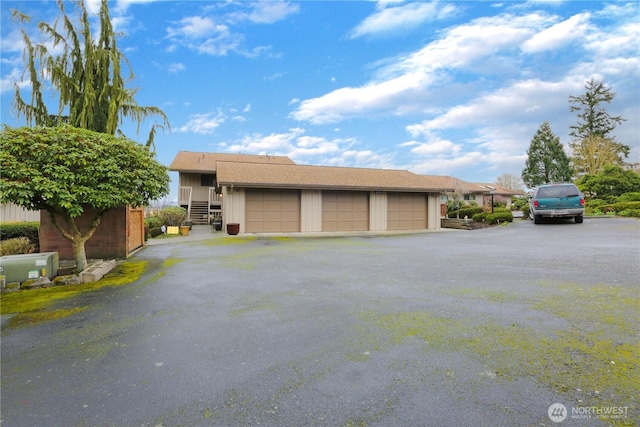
(198, 162)
(272, 175)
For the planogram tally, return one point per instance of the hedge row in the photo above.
(622, 208)
(495, 217)
(469, 211)
(13, 230)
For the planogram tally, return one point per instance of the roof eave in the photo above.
(331, 187)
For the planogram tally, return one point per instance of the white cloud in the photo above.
(404, 85)
(308, 149)
(558, 35)
(336, 105)
(176, 68)
(446, 166)
(123, 5)
(401, 17)
(217, 34)
(438, 147)
(197, 27)
(268, 12)
(204, 124)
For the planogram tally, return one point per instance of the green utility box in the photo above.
(20, 268)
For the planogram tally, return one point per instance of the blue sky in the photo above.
(439, 88)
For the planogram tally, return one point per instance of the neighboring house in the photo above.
(481, 193)
(11, 212)
(273, 194)
(500, 194)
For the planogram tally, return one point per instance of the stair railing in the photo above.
(184, 198)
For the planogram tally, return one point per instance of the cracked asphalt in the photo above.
(449, 328)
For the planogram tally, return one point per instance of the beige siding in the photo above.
(311, 211)
(199, 193)
(12, 212)
(407, 211)
(345, 211)
(233, 207)
(378, 211)
(434, 211)
(269, 211)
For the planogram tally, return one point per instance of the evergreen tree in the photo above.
(546, 160)
(592, 144)
(86, 76)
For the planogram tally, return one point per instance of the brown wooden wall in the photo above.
(120, 232)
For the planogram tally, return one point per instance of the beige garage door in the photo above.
(270, 211)
(406, 211)
(345, 211)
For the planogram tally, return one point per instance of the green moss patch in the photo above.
(38, 305)
(592, 354)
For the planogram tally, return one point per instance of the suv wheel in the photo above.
(579, 219)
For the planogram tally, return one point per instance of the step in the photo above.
(96, 271)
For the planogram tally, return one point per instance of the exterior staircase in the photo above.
(199, 213)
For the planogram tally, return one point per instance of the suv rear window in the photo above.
(558, 191)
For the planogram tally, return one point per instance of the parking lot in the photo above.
(450, 328)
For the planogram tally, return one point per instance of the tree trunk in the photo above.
(79, 253)
(76, 238)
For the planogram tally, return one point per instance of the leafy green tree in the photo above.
(546, 160)
(593, 145)
(87, 76)
(611, 181)
(65, 170)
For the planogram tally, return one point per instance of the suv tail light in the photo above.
(582, 201)
(535, 203)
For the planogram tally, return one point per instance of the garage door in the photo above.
(269, 211)
(345, 211)
(406, 211)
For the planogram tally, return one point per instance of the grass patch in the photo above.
(37, 305)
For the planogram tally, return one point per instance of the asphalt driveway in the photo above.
(453, 328)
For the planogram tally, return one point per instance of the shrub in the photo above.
(468, 211)
(629, 197)
(630, 212)
(519, 203)
(479, 217)
(30, 230)
(525, 211)
(16, 246)
(173, 215)
(155, 231)
(620, 206)
(501, 209)
(153, 221)
(501, 216)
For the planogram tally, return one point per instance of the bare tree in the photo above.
(510, 181)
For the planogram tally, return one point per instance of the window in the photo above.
(208, 180)
(469, 197)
